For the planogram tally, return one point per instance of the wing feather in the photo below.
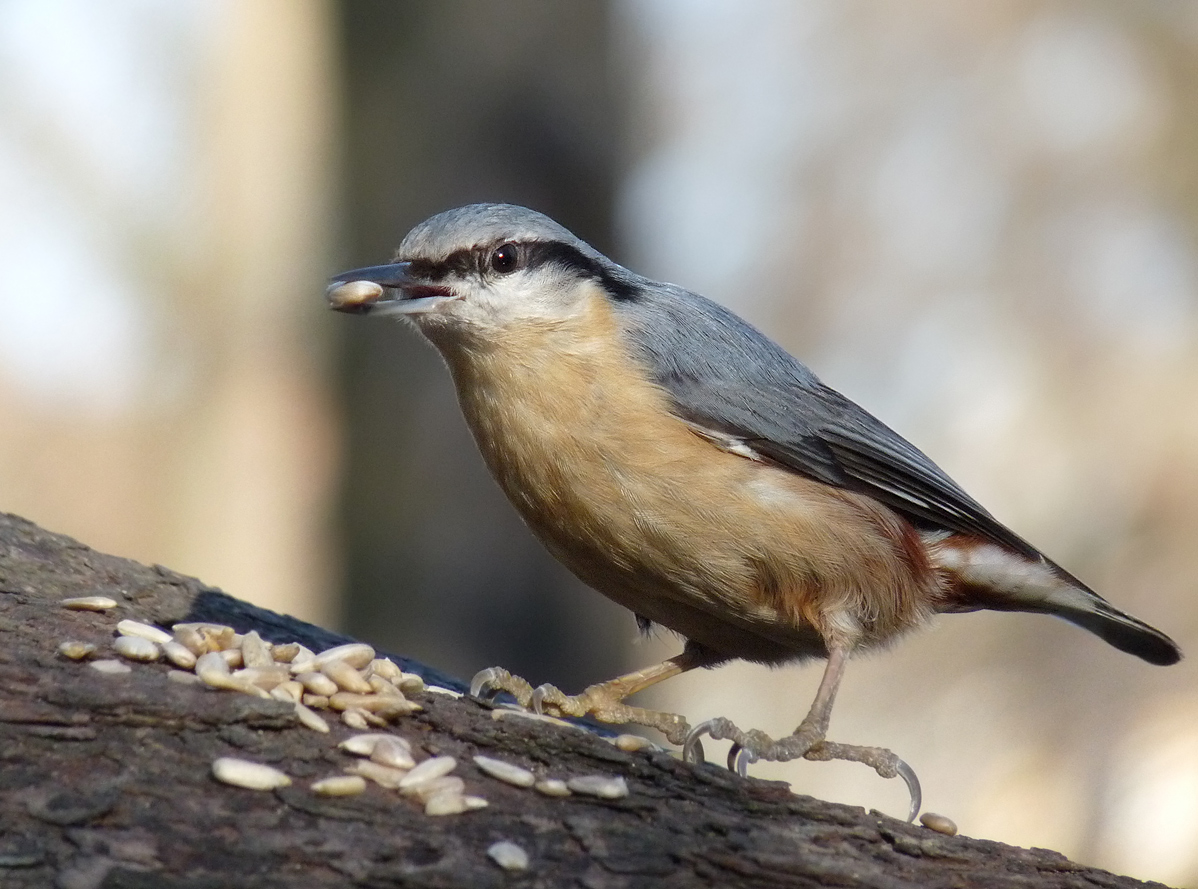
(724, 375)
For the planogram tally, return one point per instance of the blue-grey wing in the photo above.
(725, 376)
(728, 379)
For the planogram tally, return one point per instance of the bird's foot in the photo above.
(806, 743)
(493, 680)
(606, 704)
(604, 701)
(749, 746)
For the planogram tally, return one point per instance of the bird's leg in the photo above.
(807, 741)
(756, 744)
(604, 701)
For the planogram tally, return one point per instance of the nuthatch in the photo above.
(688, 468)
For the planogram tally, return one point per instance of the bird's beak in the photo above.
(387, 289)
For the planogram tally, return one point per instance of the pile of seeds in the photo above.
(365, 690)
(349, 680)
(386, 760)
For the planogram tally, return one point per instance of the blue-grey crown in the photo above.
(480, 224)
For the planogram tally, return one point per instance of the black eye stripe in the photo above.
(529, 255)
(542, 253)
(459, 263)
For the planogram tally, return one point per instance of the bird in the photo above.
(684, 465)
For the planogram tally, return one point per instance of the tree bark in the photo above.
(105, 780)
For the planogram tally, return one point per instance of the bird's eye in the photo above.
(505, 259)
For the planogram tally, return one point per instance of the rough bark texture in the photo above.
(105, 780)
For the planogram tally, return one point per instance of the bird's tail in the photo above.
(1123, 631)
(985, 575)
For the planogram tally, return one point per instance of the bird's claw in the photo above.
(544, 700)
(749, 747)
(908, 775)
(692, 747)
(542, 695)
(488, 683)
(739, 759)
(482, 686)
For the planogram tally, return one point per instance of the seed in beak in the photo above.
(354, 295)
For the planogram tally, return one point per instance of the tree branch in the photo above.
(105, 780)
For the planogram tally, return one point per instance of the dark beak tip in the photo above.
(357, 290)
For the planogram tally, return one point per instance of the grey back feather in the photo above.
(725, 375)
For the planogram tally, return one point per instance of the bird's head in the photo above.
(481, 269)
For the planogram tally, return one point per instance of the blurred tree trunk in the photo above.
(447, 104)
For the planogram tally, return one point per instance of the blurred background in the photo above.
(980, 221)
